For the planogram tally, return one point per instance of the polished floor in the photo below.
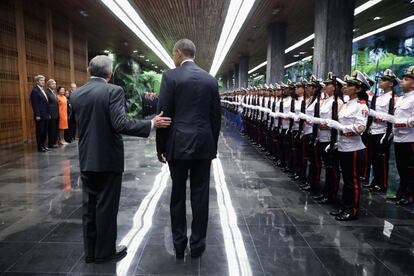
(260, 222)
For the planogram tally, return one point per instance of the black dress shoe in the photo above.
(297, 178)
(306, 188)
(197, 253)
(120, 253)
(403, 201)
(337, 212)
(345, 216)
(42, 150)
(324, 200)
(318, 197)
(179, 255)
(376, 188)
(89, 260)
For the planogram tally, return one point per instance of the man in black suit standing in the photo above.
(99, 108)
(40, 106)
(54, 114)
(189, 95)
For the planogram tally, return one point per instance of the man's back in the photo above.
(100, 112)
(190, 96)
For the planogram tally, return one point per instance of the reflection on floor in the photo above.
(260, 222)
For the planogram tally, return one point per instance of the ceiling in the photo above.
(202, 21)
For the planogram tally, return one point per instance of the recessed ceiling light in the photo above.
(376, 18)
(147, 60)
(355, 30)
(412, 1)
(135, 51)
(295, 55)
(141, 56)
(83, 13)
(107, 51)
(302, 53)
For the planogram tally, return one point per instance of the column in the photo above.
(230, 81)
(224, 78)
(71, 55)
(236, 76)
(333, 37)
(276, 45)
(243, 71)
(49, 38)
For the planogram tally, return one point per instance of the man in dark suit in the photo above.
(54, 114)
(40, 106)
(99, 108)
(189, 95)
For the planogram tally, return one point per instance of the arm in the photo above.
(120, 122)
(359, 125)
(35, 103)
(165, 104)
(215, 114)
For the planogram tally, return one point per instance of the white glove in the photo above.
(335, 124)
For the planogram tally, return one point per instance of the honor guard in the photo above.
(351, 124)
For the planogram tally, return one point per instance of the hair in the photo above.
(362, 95)
(50, 81)
(38, 77)
(186, 46)
(100, 66)
(60, 87)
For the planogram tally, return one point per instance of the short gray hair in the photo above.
(50, 81)
(186, 46)
(100, 66)
(38, 78)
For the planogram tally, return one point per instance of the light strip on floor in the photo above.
(127, 14)
(382, 29)
(237, 259)
(236, 15)
(142, 221)
(357, 11)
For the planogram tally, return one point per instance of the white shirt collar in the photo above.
(184, 61)
(95, 77)
(41, 88)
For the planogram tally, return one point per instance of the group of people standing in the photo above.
(55, 125)
(336, 124)
(149, 104)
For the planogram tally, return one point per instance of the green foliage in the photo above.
(135, 82)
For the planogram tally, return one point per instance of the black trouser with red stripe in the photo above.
(404, 157)
(304, 155)
(282, 147)
(351, 164)
(379, 155)
(314, 175)
(366, 165)
(332, 177)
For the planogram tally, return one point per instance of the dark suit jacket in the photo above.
(189, 95)
(53, 104)
(99, 108)
(39, 103)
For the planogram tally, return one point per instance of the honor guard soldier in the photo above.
(327, 138)
(380, 132)
(352, 121)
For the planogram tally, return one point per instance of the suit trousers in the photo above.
(100, 201)
(53, 132)
(404, 157)
(41, 133)
(199, 171)
(351, 167)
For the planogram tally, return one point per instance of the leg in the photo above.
(88, 214)
(179, 174)
(106, 213)
(200, 186)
